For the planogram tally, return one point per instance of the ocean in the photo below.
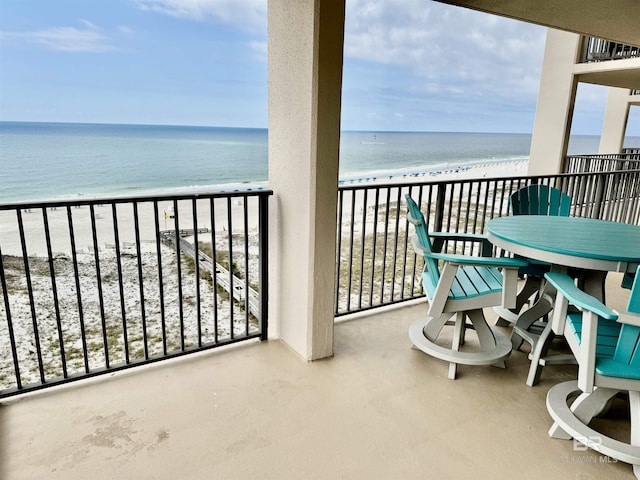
(44, 161)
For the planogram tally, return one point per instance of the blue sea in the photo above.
(41, 161)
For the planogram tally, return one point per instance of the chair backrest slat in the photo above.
(634, 298)
(628, 347)
(422, 232)
(540, 199)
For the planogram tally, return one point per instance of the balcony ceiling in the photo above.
(617, 20)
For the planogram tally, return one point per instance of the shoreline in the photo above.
(33, 221)
(428, 173)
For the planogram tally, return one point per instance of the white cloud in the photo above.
(452, 49)
(66, 39)
(260, 48)
(244, 14)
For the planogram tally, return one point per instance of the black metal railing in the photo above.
(598, 50)
(376, 265)
(94, 286)
(629, 160)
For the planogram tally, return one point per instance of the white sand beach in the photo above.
(36, 244)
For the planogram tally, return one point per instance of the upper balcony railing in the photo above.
(630, 160)
(599, 50)
(94, 286)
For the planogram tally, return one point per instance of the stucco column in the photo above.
(305, 42)
(614, 125)
(554, 111)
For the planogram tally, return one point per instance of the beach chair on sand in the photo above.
(458, 292)
(607, 346)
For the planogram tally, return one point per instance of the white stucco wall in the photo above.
(614, 125)
(554, 111)
(305, 78)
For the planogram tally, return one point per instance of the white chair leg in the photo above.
(435, 325)
(458, 334)
(589, 405)
(539, 350)
(634, 408)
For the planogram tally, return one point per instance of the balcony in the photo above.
(378, 409)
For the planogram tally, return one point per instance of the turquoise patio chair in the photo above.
(607, 346)
(533, 199)
(461, 288)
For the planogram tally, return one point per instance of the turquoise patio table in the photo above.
(596, 246)
(569, 241)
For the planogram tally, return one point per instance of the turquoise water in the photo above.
(57, 160)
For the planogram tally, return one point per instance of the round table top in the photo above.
(571, 241)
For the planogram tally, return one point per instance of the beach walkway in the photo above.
(232, 284)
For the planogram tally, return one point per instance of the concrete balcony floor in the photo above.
(377, 410)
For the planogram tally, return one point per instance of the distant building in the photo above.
(568, 60)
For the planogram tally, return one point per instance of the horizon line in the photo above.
(266, 129)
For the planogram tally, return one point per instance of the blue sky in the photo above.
(409, 65)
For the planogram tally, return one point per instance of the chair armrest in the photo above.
(440, 237)
(460, 236)
(499, 262)
(629, 318)
(565, 286)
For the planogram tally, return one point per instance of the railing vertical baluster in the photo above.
(338, 251)
(214, 258)
(196, 248)
(362, 245)
(395, 243)
(32, 308)
(405, 250)
(96, 256)
(12, 337)
(486, 205)
(74, 256)
(54, 291)
(503, 199)
(163, 320)
(384, 249)
(351, 243)
(123, 310)
(176, 217)
(143, 310)
(462, 189)
(415, 257)
(439, 210)
(231, 282)
(247, 309)
(263, 248)
(375, 244)
(596, 196)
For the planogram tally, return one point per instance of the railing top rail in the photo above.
(534, 178)
(263, 192)
(631, 154)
